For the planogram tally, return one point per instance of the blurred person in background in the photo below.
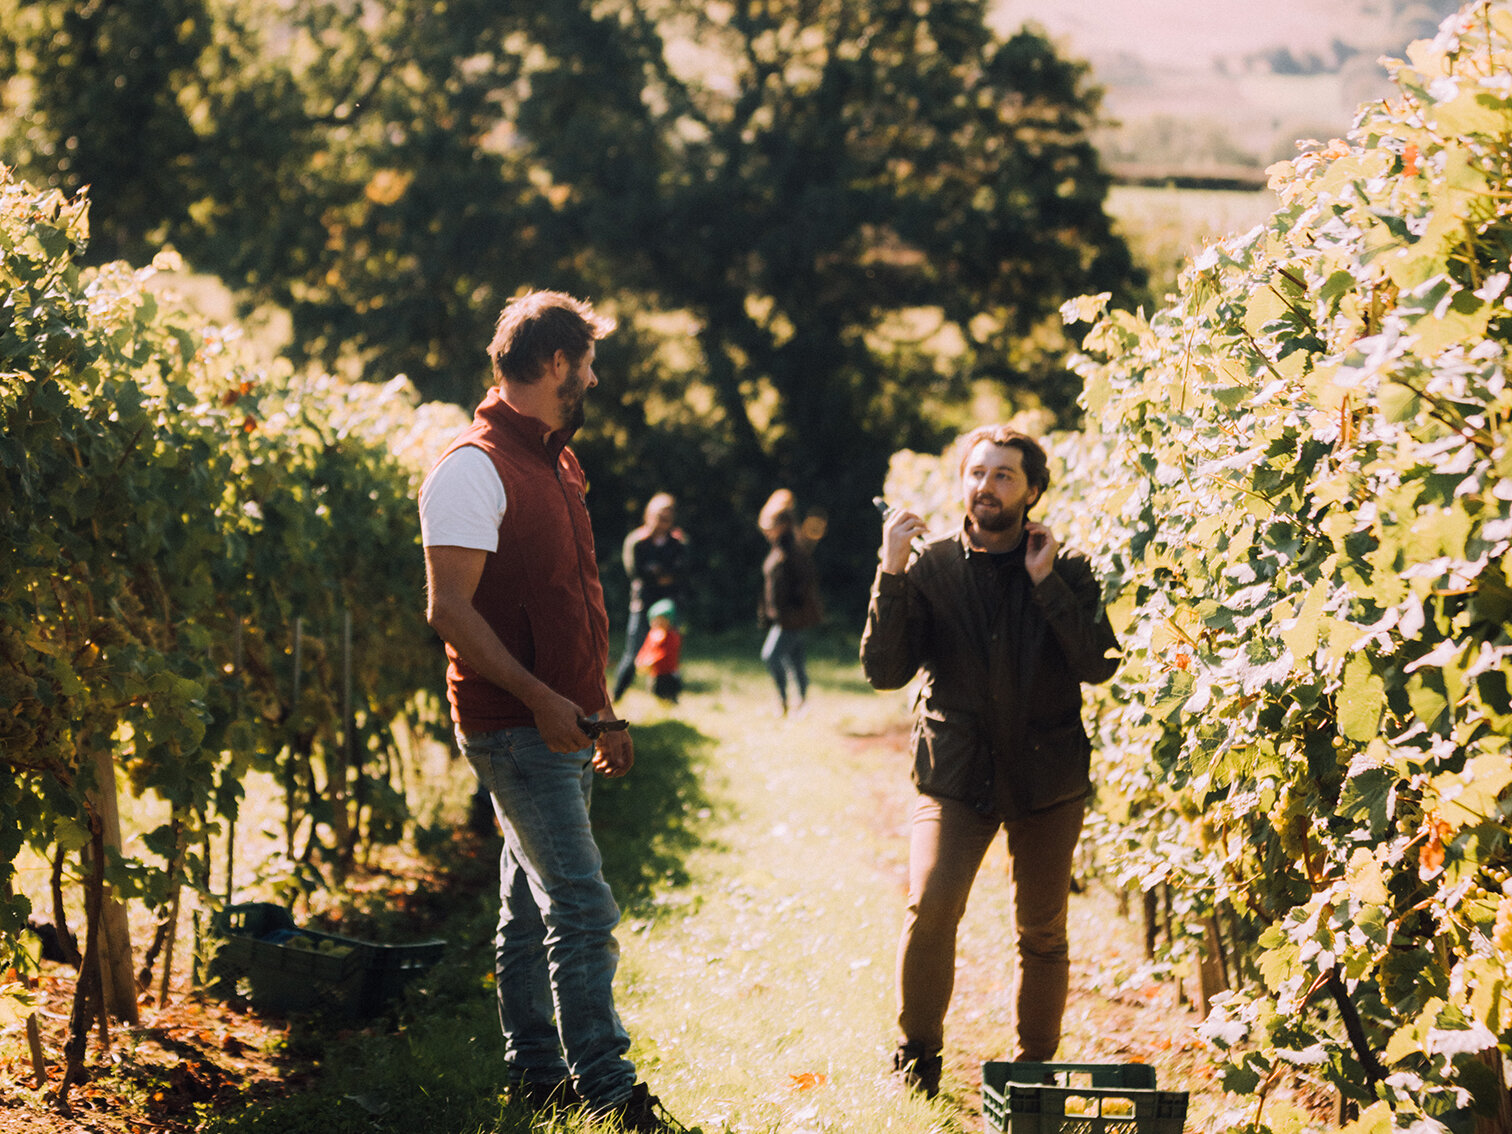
(656, 562)
(789, 603)
(660, 654)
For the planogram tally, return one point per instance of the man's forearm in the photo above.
(886, 657)
(481, 650)
(1085, 637)
(476, 644)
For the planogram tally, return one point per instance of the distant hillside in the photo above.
(1219, 89)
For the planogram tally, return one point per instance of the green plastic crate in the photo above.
(1079, 1098)
(281, 969)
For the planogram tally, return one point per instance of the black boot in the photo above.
(920, 1069)
(641, 1113)
(540, 1096)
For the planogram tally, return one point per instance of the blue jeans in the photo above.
(635, 636)
(783, 653)
(555, 954)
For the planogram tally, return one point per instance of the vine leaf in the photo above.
(1362, 696)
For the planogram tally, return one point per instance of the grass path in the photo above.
(761, 862)
(760, 994)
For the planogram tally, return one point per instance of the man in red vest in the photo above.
(514, 592)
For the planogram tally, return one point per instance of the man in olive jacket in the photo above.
(1006, 625)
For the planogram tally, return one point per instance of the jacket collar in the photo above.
(970, 551)
(531, 431)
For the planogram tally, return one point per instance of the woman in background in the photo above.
(789, 598)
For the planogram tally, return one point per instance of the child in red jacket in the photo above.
(661, 652)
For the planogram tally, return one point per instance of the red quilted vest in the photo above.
(540, 590)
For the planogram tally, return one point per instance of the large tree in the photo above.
(92, 101)
(823, 222)
(865, 208)
(860, 210)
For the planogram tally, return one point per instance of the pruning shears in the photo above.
(595, 729)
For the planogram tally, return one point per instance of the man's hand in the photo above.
(556, 719)
(899, 531)
(452, 575)
(1039, 551)
(613, 754)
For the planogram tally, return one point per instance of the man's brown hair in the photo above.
(534, 326)
(1036, 464)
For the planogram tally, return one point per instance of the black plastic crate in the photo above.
(279, 968)
(1079, 1098)
(391, 967)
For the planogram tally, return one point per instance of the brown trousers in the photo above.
(948, 843)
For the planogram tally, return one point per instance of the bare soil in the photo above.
(197, 1055)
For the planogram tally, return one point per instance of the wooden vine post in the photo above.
(115, 929)
(339, 775)
(291, 773)
(1212, 967)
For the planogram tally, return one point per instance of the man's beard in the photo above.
(998, 519)
(572, 394)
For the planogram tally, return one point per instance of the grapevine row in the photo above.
(1296, 480)
(181, 530)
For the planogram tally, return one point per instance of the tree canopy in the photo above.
(824, 224)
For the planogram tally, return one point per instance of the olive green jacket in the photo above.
(998, 721)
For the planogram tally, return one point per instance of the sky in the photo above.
(1183, 33)
(1206, 66)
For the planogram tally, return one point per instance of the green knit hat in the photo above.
(663, 608)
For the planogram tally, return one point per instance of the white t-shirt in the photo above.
(462, 502)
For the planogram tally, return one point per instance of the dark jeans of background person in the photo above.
(948, 843)
(635, 636)
(784, 653)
